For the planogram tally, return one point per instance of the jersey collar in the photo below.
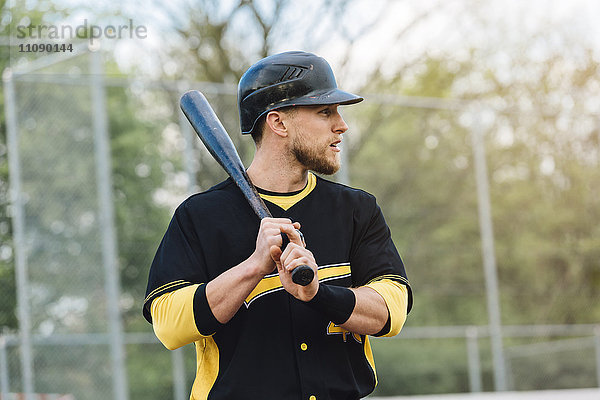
(287, 200)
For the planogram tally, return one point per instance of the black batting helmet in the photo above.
(294, 78)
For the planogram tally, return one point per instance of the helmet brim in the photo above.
(318, 98)
(333, 96)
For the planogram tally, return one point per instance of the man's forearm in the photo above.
(370, 313)
(182, 316)
(227, 292)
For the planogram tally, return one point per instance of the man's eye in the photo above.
(326, 111)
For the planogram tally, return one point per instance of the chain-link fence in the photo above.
(64, 235)
(97, 164)
(86, 222)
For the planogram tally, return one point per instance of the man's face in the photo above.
(316, 132)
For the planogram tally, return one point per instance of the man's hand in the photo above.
(226, 293)
(294, 255)
(269, 236)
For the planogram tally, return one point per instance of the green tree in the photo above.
(542, 151)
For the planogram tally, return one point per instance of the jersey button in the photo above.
(312, 398)
(304, 347)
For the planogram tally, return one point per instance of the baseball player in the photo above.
(221, 278)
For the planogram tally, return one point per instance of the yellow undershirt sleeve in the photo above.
(395, 295)
(173, 318)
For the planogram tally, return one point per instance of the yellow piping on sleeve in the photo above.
(395, 295)
(173, 318)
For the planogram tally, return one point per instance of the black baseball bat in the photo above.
(216, 139)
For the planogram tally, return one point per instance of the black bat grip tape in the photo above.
(303, 274)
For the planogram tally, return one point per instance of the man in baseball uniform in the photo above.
(221, 277)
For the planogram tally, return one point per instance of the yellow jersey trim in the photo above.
(271, 283)
(370, 358)
(333, 271)
(395, 295)
(207, 368)
(268, 284)
(392, 277)
(286, 202)
(173, 318)
(165, 287)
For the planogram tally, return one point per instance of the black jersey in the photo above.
(277, 347)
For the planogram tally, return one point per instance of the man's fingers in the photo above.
(287, 252)
(275, 221)
(276, 255)
(293, 234)
(296, 262)
(283, 226)
(295, 255)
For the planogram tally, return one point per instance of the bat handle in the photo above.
(302, 274)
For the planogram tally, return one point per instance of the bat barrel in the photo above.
(215, 138)
(210, 130)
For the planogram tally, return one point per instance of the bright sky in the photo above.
(450, 29)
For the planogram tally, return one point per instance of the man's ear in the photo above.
(277, 122)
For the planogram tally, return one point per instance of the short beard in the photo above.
(309, 157)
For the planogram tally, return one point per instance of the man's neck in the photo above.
(277, 174)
